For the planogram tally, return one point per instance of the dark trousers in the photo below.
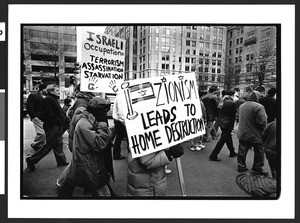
(53, 141)
(120, 133)
(225, 138)
(259, 155)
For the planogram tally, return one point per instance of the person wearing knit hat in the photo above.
(33, 107)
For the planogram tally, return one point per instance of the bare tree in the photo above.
(201, 69)
(230, 75)
(264, 64)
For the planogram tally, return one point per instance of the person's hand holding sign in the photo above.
(174, 152)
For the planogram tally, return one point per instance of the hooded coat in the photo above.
(87, 168)
(146, 175)
(82, 100)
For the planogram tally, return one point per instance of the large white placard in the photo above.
(161, 112)
(102, 61)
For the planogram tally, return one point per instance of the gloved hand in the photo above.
(174, 152)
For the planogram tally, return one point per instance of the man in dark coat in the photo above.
(252, 122)
(33, 106)
(269, 102)
(211, 104)
(227, 111)
(53, 118)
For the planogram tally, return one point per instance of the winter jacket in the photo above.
(252, 121)
(146, 175)
(51, 111)
(227, 113)
(270, 106)
(87, 168)
(75, 119)
(211, 104)
(34, 104)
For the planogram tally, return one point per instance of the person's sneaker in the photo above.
(211, 158)
(193, 148)
(202, 146)
(198, 148)
(242, 170)
(259, 172)
(30, 165)
(234, 154)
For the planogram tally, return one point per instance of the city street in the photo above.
(203, 178)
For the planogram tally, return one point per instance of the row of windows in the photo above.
(51, 69)
(207, 29)
(215, 46)
(212, 78)
(53, 58)
(207, 37)
(51, 46)
(167, 66)
(51, 35)
(43, 34)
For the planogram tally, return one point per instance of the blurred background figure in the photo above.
(34, 106)
(269, 143)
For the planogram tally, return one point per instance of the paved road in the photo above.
(202, 177)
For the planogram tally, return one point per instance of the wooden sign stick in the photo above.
(180, 176)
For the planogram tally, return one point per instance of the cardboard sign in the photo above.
(161, 112)
(102, 61)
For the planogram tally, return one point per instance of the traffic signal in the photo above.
(76, 68)
(72, 80)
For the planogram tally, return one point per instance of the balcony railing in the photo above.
(250, 41)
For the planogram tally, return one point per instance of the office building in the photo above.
(49, 54)
(251, 56)
(164, 50)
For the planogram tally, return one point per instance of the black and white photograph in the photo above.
(235, 79)
(183, 112)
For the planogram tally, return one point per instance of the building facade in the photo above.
(163, 50)
(49, 55)
(251, 56)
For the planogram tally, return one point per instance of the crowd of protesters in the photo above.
(255, 115)
(94, 145)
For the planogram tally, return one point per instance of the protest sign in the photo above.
(161, 112)
(102, 61)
